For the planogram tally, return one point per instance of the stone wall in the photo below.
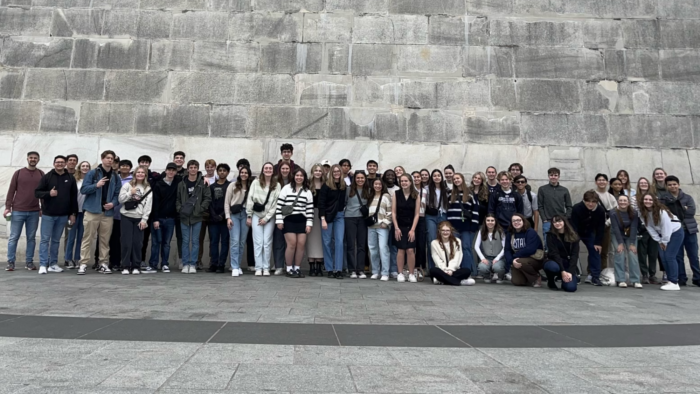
(586, 85)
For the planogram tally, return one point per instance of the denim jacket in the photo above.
(93, 194)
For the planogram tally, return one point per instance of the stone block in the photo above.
(265, 89)
(111, 54)
(355, 151)
(564, 129)
(224, 150)
(59, 118)
(230, 5)
(6, 144)
(48, 84)
(174, 4)
(99, 118)
(289, 6)
(36, 52)
(200, 25)
(121, 23)
(62, 3)
(493, 128)
(20, 116)
(327, 27)
(548, 96)
(20, 21)
(601, 97)
(154, 24)
(680, 65)
(490, 7)
(694, 159)
(453, 30)
(652, 131)
(438, 126)
(343, 124)
(228, 121)
(595, 8)
(429, 59)
(114, 4)
(135, 86)
(17, 3)
(392, 154)
(337, 57)
(290, 122)
(489, 62)
(11, 83)
(680, 34)
(390, 29)
(535, 158)
(226, 56)
(265, 27)
(596, 162)
(368, 59)
(358, 6)
(679, 9)
(77, 22)
(171, 55)
(427, 7)
(419, 94)
(291, 58)
(83, 146)
(638, 162)
(659, 98)
(559, 63)
(503, 94)
(632, 64)
(376, 92)
(324, 91)
(677, 162)
(172, 119)
(537, 33)
(604, 33)
(463, 94)
(641, 33)
(203, 88)
(569, 161)
(155, 146)
(389, 126)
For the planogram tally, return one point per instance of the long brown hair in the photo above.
(652, 184)
(330, 181)
(569, 233)
(273, 179)
(454, 242)
(414, 192)
(640, 192)
(655, 211)
(289, 177)
(496, 229)
(630, 211)
(483, 189)
(238, 186)
(353, 186)
(625, 186)
(466, 193)
(526, 224)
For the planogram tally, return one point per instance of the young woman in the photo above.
(616, 188)
(624, 229)
(378, 234)
(295, 224)
(314, 243)
(436, 208)
(405, 209)
(524, 252)
(236, 218)
(331, 210)
(447, 254)
(449, 174)
(658, 187)
(389, 177)
(666, 229)
(481, 194)
(75, 235)
(463, 215)
(279, 244)
(562, 255)
(627, 188)
(398, 171)
(647, 248)
(425, 178)
(261, 204)
(421, 235)
(135, 220)
(355, 227)
(608, 202)
(490, 243)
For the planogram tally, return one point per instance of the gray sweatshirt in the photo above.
(352, 206)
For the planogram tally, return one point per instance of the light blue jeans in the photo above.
(51, 231)
(75, 239)
(377, 238)
(632, 261)
(190, 233)
(431, 223)
(467, 237)
(31, 221)
(333, 259)
(238, 232)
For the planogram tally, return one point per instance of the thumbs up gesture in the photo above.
(53, 192)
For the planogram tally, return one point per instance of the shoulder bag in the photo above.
(371, 220)
(257, 207)
(188, 208)
(237, 208)
(133, 204)
(289, 209)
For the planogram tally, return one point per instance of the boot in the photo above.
(313, 271)
(551, 283)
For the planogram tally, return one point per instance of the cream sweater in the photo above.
(440, 259)
(259, 194)
(143, 210)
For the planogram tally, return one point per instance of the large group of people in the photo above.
(393, 225)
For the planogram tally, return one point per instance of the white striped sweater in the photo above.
(304, 205)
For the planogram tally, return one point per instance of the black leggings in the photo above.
(452, 280)
(421, 243)
(356, 239)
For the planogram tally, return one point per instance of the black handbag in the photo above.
(238, 208)
(257, 207)
(133, 204)
(372, 220)
(364, 209)
(433, 211)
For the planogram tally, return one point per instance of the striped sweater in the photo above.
(464, 216)
(304, 205)
(384, 215)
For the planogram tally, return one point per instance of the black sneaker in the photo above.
(149, 270)
(596, 282)
(212, 268)
(105, 270)
(220, 270)
(200, 266)
(299, 273)
(331, 274)
(30, 266)
(339, 275)
(10, 267)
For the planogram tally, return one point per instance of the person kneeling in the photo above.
(562, 255)
(524, 252)
(447, 255)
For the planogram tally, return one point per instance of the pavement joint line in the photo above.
(450, 334)
(354, 384)
(98, 329)
(336, 335)
(214, 334)
(566, 336)
(201, 345)
(230, 381)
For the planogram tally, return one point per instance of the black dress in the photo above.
(405, 212)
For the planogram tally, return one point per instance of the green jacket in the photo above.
(200, 207)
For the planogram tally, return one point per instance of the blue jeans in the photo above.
(553, 268)
(31, 221)
(333, 259)
(670, 255)
(545, 229)
(75, 239)
(594, 260)
(690, 243)
(160, 242)
(431, 223)
(51, 231)
(190, 233)
(467, 237)
(218, 244)
(377, 239)
(393, 251)
(632, 261)
(238, 234)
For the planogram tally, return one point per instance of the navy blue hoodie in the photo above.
(505, 205)
(522, 244)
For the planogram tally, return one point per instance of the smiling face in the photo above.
(193, 170)
(210, 170)
(286, 154)
(390, 177)
(416, 179)
(398, 171)
(623, 202)
(505, 182)
(449, 174)
(673, 187)
(59, 164)
(616, 186)
(445, 233)
(244, 174)
(222, 173)
(477, 181)
(591, 205)
(268, 169)
(337, 174)
(405, 182)
(559, 225)
(346, 167)
(360, 179)
(32, 160)
(643, 185)
(318, 172)
(553, 178)
(285, 170)
(602, 183)
(457, 180)
(425, 176)
(521, 184)
(490, 223)
(84, 167)
(299, 178)
(491, 173)
(622, 176)
(517, 222)
(372, 168)
(648, 201)
(72, 163)
(660, 175)
(140, 175)
(377, 185)
(437, 178)
(179, 160)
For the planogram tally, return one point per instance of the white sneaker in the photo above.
(149, 270)
(588, 279)
(251, 269)
(353, 276)
(400, 278)
(125, 271)
(105, 269)
(622, 285)
(670, 286)
(266, 272)
(499, 281)
(55, 268)
(240, 271)
(384, 278)
(412, 278)
(185, 269)
(494, 277)
(436, 282)
(82, 269)
(279, 271)
(374, 276)
(43, 270)
(394, 275)
(235, 273)
(637, 285)
(135, 272)
(192, 269)
(508, 277)
(362, 275)
(258, 273)
(467, 282)
(166, 269)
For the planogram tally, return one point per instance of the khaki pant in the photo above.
(528, 273)
(100, 225)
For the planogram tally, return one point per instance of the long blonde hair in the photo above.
(133, 181)
(312, 186)
(483, 189)
(466, 193)
(330, 182)
(79, 175)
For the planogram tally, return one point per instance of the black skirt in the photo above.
(404, 243)
(294, 224)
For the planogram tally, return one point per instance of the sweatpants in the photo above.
(131, 243)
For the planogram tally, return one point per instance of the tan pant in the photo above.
(527, 274)
(100, 225)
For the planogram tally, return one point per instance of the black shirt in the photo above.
(189, 185)
(105, 187)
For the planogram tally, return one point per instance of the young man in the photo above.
(503, 202)
(449, 172)
(152, 178)
(326, 164)
(515, 169)
(218, 229)
(588, 219)
(210, 177)
(101, 189)
(553, 199)
(491, 180)
(71, 163)
(193, 199)
(346, 169)
(287, 150)
(608, 202)
(115, 249)
(23, 208)
(372, 168)
(164, 214)
(683, 206)
(59, 196)
(530, 209)
(179, 160)
(250, 248)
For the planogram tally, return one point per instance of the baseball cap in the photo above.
(171, 166)
(326, 163)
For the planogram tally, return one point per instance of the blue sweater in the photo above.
(522, 244)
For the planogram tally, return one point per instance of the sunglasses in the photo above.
(521, 182)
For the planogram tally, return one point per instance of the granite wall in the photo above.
(586, 85)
